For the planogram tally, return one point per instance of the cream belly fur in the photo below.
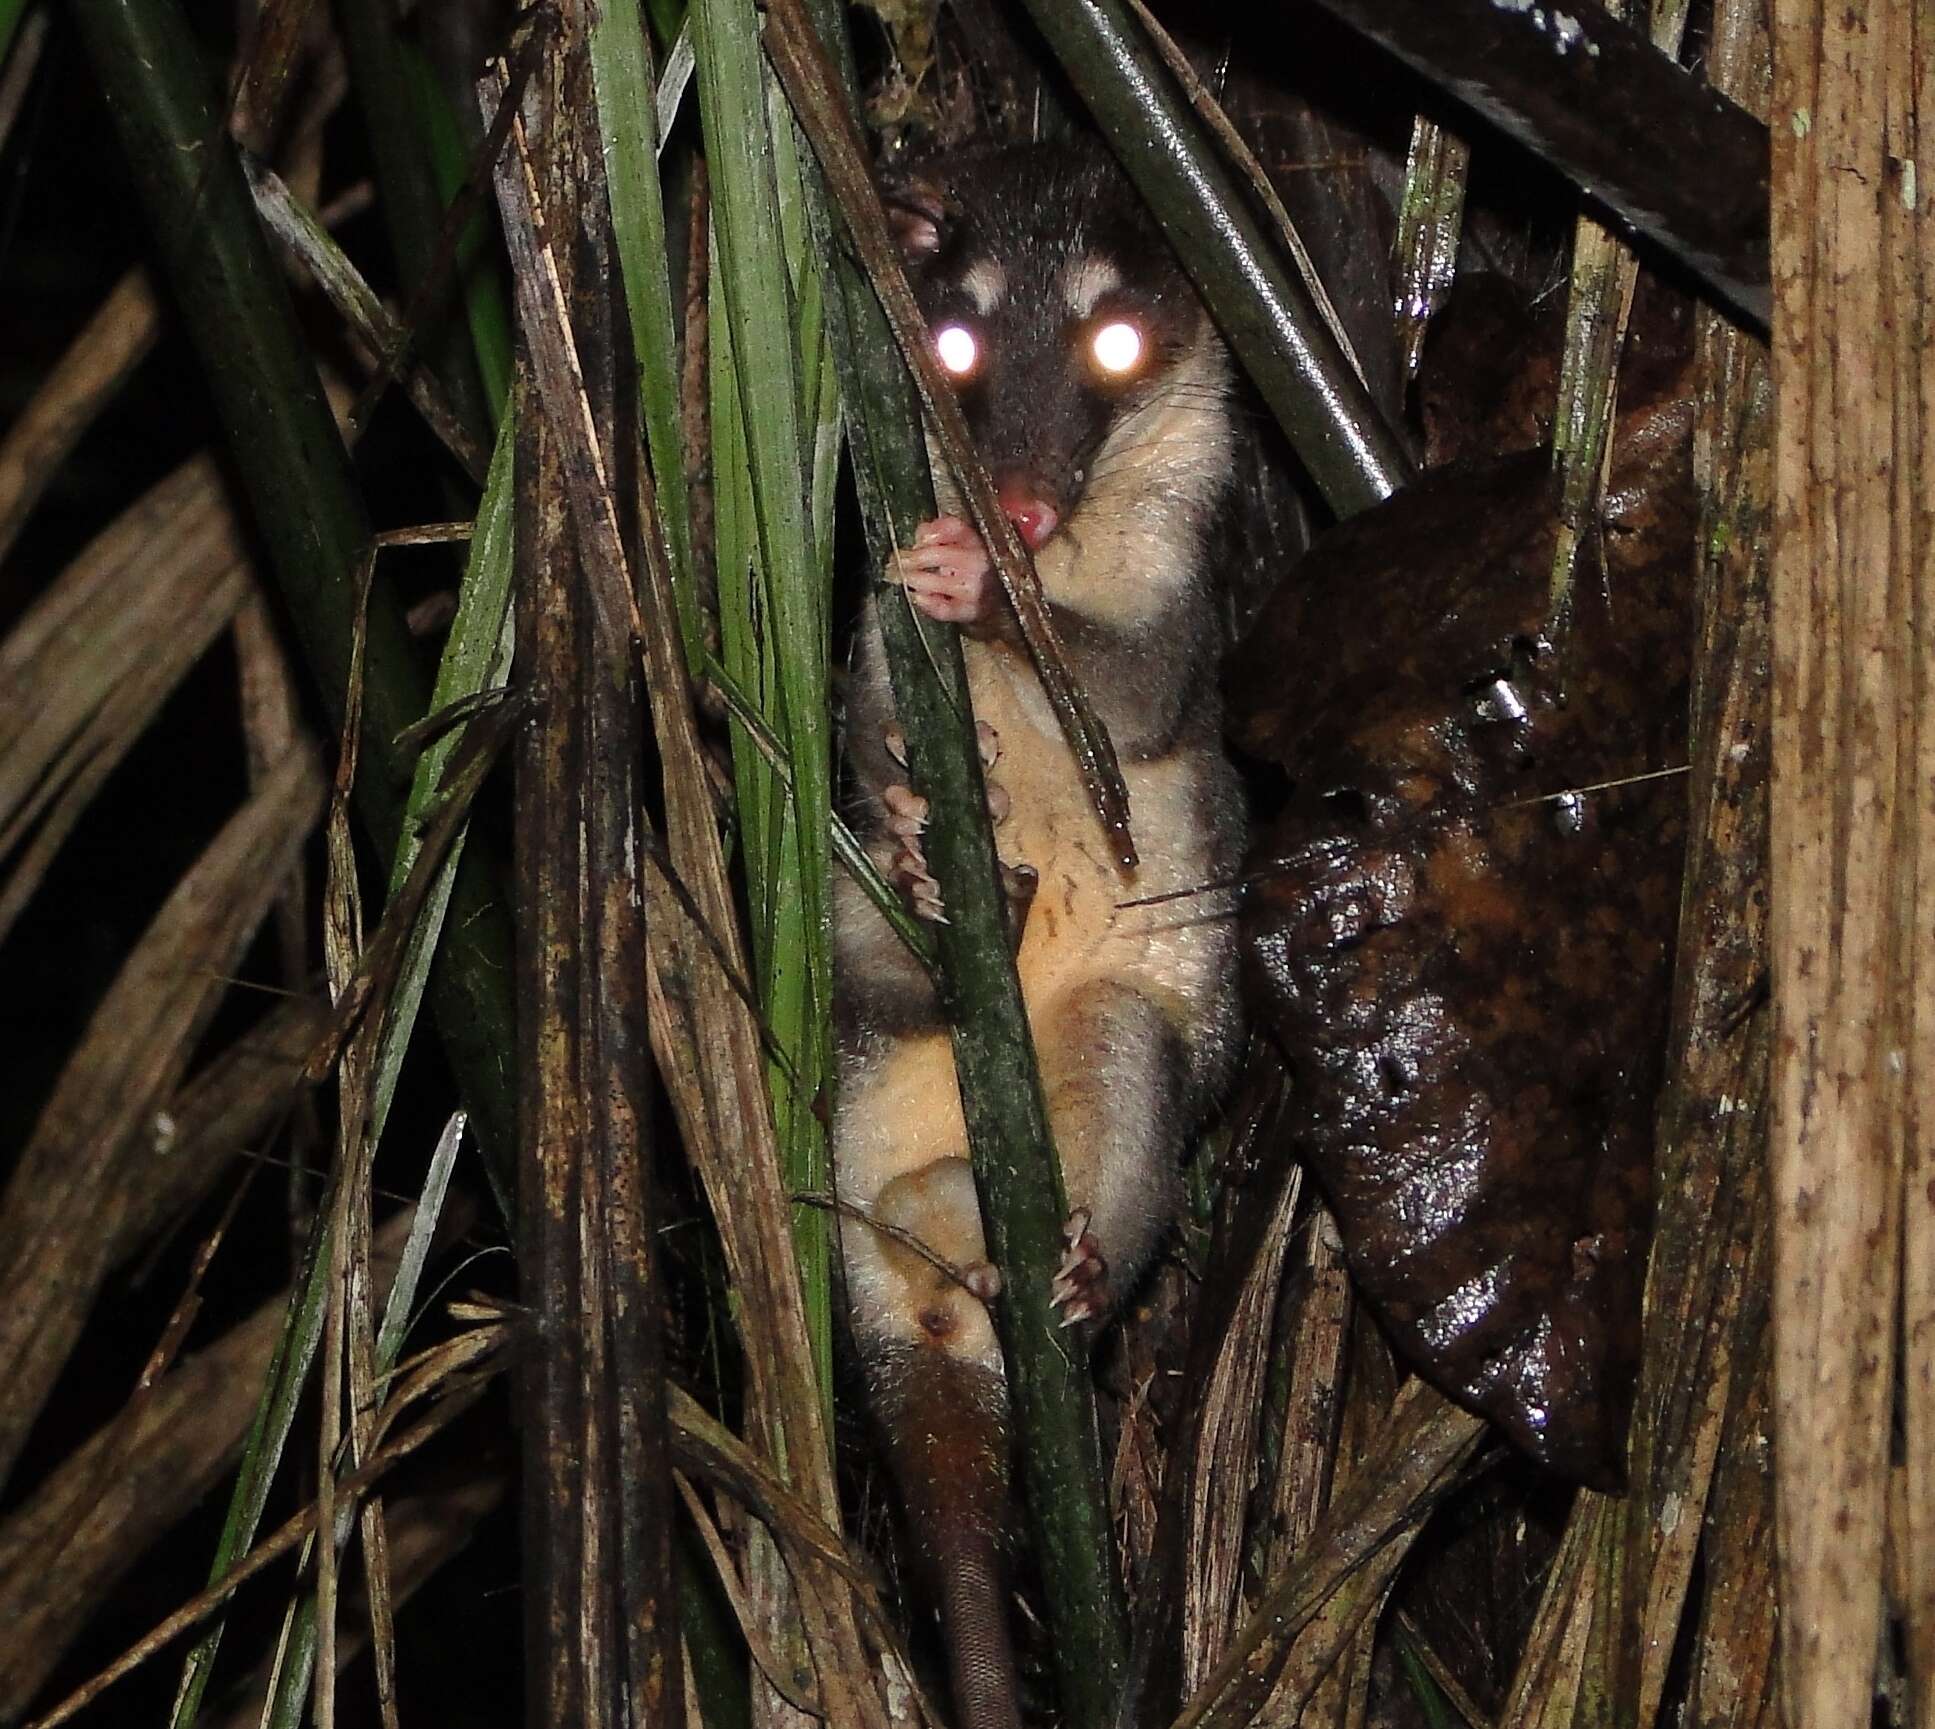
(900, 1136)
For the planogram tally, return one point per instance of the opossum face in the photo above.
(1055, 307)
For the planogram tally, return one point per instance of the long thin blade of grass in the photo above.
(783, 657)
(476, 660)
(633, 129)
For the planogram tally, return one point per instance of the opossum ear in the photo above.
(917, 216)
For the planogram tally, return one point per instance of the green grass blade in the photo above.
(673, 83)
(785, 662)
(621, 69)
(476, 657)
(275, 1416)
(486, 302)
(296, 1648)
(416, 1249)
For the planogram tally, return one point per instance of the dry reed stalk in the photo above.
(1853, 823)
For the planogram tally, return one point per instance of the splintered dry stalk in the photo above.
(1430, 224)
(598, 1487)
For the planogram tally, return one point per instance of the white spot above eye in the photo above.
(1086, 281)
(958, 350)
(986, 284)
(1117, 347)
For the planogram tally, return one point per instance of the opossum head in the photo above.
(1085, 365)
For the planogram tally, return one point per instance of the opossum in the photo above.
(1098, 393)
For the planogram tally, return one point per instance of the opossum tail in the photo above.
(947, 1440)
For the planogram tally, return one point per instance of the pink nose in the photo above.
(1035, 519)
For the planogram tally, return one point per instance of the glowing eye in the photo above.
(1117, 347)
(958, 350)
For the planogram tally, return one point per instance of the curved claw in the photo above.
(1080, 1288)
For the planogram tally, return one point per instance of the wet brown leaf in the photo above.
(1461, 929)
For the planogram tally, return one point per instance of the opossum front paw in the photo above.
(947, 572)
(906, 818)
(1081, 1287)
(982, 1280)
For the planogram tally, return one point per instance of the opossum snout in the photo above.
(1031, 507)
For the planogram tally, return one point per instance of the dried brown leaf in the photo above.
(82, 383)
(124, 1488)
(88, 665)
(94, 1133)
(1223, 1444)
(1352, 1556)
